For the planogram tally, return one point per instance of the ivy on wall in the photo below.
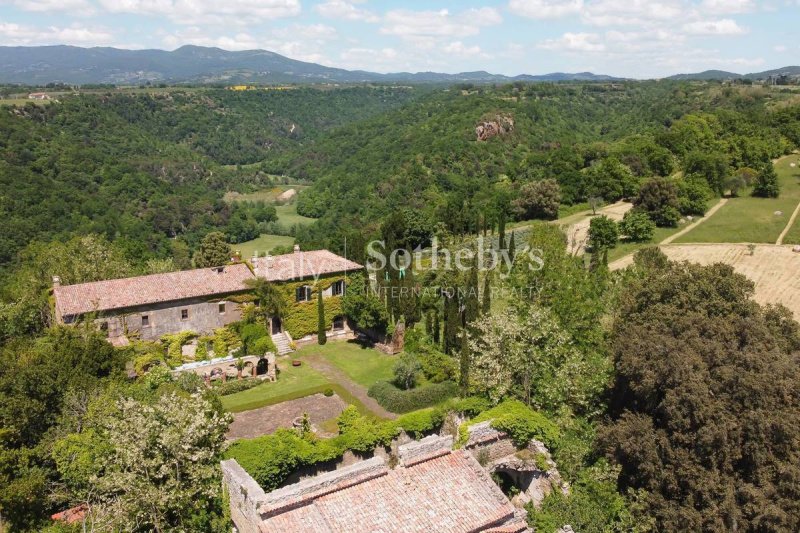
(301, 317)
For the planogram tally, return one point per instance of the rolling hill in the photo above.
(197, 64)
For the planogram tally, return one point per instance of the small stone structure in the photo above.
(497, 453)
(499, 125)
(225, 367)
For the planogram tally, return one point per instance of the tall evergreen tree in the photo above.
(452, 320)
(471, 298)
(512, 247)
(486, 304)
(322, 326)
(502, 230)
(214, 251)
(436, 329)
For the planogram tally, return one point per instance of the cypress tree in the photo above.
(471, 301)
(322, 338)
(463, 378)
(436, 337)
(429, 324)
(452, 321)
(512, 248)
(486, 305)
(502, 230)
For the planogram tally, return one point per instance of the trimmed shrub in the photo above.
(263, 345)
(437, 366)
(234, 386)
(417, 423)
(402, 401)
(405, 371)
(521, 423)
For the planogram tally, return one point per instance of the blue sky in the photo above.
(632, 38)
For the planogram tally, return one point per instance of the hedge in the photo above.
(234, 386)
(402, 401)
(519, 421)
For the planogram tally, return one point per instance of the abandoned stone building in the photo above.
(202, 300)
(418, 486)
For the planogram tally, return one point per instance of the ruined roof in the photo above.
(430, 490)
(299, 265)
(155, 288)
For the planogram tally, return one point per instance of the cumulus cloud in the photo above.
(426, 28)
(340, 9)
(545, 9)
(78, 7)
(727, 7)
(575, 42)
(714, 27)
(457, 48)
(22, 35)
(193, 12)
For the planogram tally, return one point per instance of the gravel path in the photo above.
(265, 420)
(333, 373)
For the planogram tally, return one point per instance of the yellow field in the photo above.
(775, 270)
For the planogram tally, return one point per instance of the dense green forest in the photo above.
(670, 395)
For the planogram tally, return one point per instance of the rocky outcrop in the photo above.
(498, 125)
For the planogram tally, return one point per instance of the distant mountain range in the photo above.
(723, 75)
(38, 65)
(197, 64)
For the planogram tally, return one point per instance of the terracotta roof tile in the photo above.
(155, 288)
(449, 493)
(299, 265)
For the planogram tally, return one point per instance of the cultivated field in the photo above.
(747, 219)
(775, 270)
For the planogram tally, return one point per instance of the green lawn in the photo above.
(293, 382)
(262, 245)
(363, 365)
(748, 219)
(287, 215)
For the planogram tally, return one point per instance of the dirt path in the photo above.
(788, 226)
(625, 261)
(696, 223)
(330, 371)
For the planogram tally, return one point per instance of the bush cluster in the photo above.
(520, 422)
(232, 387)
(402, 401)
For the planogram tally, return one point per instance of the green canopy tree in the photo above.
(213, 251)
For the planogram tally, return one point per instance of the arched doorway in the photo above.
(262, 366)
(277, 326)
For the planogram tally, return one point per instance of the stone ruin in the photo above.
(499, 125)
(497, 454)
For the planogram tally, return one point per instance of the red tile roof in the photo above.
(299, 265)
(448, 493)
(71, 515)
(155, 288)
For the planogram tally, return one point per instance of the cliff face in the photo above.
(499, 125)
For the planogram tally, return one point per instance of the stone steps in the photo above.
(282, 344)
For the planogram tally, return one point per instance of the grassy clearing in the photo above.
(624, 248)
(23, 101)
(363, 365)
(293, 382)
(287, 215)
(263, 244)
(748, 219)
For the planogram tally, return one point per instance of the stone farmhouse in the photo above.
(202, 300)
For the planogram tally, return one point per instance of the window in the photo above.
(222, 309)
(104, 327)
(303, 294)
(338, 323)
(145, 321)
(337, 289)
(184, 314)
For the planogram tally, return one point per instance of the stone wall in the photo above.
(164, 318)
(245, 495)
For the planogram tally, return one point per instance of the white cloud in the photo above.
(727, 7)
(780, 48)
(192, 12)
(714, 27)
(634, 12)
(545, 9)
(426, 28)
(457, 48)
(575, 42)
(21, 35)
(340, 9)
(79, 7)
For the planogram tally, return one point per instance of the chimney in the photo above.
(297, 248)
(56, 281)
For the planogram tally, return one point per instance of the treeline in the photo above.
(586, 142)
(144, 170)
